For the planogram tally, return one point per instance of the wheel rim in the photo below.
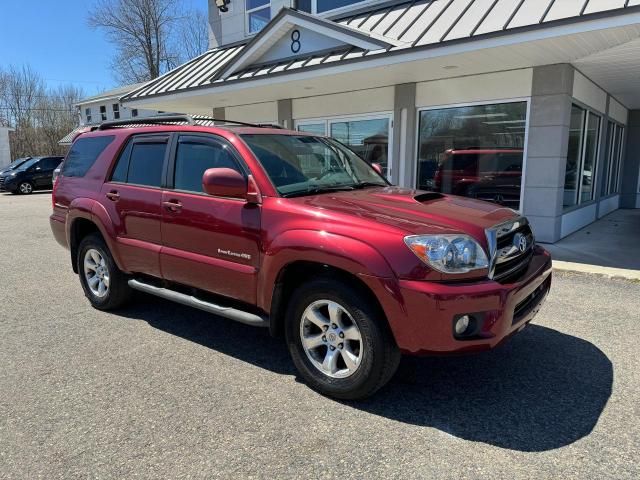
(96, 273)
(331, 339)
(25, 188)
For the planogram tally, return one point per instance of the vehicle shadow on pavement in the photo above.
(540, 391)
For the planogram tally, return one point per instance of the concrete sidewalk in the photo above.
(610, 247)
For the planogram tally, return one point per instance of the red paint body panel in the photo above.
(238, 249)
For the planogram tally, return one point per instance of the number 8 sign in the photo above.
(295, 41)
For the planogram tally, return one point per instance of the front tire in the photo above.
(103, 283)
(339, 342)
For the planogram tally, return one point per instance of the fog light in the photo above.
(462, 324)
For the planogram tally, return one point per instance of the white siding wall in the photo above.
(350, 103)
(618, 112)
(587, 92)
(266, 112)
(125, 112)
(475, 88)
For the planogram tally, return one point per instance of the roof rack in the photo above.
(194, 120)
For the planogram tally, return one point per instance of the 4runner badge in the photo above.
(229, 253)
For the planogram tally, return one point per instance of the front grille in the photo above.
(511, 247)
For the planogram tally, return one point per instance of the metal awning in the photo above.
(403, 26)
(71, 136)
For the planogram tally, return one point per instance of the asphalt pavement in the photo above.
(158, 390)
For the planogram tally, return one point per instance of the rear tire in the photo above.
(339, 342)
(103, 283)
(25, 188)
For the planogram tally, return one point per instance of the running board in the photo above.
(191, 301)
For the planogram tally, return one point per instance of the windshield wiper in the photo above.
(315, 189)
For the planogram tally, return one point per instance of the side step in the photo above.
(191, 301)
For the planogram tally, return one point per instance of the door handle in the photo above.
(113, 196)
(172, 205)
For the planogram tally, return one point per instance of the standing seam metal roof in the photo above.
(406, 24)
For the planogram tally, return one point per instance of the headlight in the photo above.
(13, 174)
(448, 253)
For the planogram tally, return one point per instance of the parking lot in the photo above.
(159, 390)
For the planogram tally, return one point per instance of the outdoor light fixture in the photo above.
(222, 5)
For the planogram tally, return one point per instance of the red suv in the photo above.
(296, 233)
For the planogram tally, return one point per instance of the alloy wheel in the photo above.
(331, 339)
(26, 188)
(96, 273)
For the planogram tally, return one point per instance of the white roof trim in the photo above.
(283, 23)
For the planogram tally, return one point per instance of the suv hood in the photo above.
(414, 211)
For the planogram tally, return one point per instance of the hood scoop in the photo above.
(428, 196)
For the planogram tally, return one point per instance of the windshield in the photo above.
(304, 165)
(27, 164)
(16, 163)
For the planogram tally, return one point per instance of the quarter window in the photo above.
(258, 14)
(83, 154)
(194, 158)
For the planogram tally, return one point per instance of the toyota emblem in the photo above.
(520, 242)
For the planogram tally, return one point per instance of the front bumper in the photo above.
(422, 323)
(8, 184)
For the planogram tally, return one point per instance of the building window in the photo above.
(369, 138)
(87, 114)
(258, 14)
(313, 128)
(322, 6)
(116, 111)
(103, 112)
(134, 112)
(475, 151)
(612, 159)
(582, 155)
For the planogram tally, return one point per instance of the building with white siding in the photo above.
(533, 104)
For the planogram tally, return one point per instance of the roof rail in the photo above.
(193, 120)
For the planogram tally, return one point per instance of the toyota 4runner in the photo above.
(296, 233)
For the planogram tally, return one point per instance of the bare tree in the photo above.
(150, 36)
(40, 116)
(192, 35)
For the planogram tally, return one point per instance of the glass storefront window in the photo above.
(475, 151)
(590, 158)
(584, 141)
(313, 128)
(576, 132)
(368, 138)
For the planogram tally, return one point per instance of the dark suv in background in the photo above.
(34, 174)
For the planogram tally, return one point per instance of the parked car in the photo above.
(34, 174)
(482, 171)
(13, 165)
(351, 270)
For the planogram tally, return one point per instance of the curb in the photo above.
(607, 272)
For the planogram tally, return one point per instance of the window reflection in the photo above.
(474, 151)
(368, 138)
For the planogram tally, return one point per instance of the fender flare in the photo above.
(93, 211)
(338, 251)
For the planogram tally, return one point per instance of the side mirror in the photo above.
(377, 167)
(224, 182)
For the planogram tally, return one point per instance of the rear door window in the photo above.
(83, 154)
(142, 162)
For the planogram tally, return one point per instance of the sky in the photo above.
(52, 36)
